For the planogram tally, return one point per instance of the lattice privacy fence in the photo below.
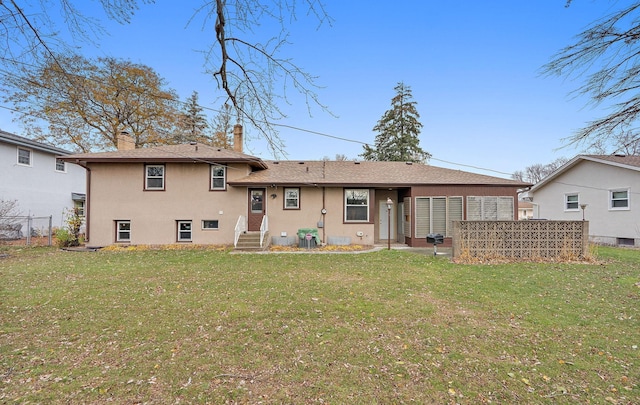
(521, 239)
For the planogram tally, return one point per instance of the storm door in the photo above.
(257, 208)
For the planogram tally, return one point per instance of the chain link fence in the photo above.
(26, 231)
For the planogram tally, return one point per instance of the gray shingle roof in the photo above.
(30, 143)
(619, 159)
(170, 153)
(366, 173)
(627, 162)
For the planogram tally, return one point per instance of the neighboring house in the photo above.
(525, 210)
(200, 194)
(601, 189)
(42, 184)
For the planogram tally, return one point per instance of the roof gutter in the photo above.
(87, 205)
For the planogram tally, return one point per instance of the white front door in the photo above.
(383, 221)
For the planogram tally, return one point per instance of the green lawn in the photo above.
(199, 326)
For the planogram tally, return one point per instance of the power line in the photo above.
(185, 103)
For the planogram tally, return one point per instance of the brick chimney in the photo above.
(237, 138)
(125, 142)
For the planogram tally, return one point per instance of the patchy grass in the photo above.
(206, 326)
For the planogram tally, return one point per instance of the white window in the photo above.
(78, 206)
(154, 177)
(490, 208)
(436, 215)
(123, 231)
(291, 198)
(619, 199)
(184, 231)
(210, 224)
(571, 202)
(218, 177)
(60, 166)
(24, 157)
(356, 205)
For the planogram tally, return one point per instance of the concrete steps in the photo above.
(250, 241)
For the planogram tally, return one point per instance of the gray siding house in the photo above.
(601, 189)
(42, 184)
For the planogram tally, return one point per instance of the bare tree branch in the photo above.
(607, 53)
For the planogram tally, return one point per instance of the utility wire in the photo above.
(295, 128)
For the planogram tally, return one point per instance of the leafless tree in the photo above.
(537, 172)
(607, 54)
(623, 142)
(250, 68)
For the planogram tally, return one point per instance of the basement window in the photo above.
(208, 224)
(184, 231)
(626, 242)
(123, 231)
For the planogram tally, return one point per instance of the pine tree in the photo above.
(193, 123)
(398, 131)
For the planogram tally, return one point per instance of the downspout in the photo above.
(324, 222)
(324, 208)
(87, 205)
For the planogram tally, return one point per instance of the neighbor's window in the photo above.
(24, 157)
(184, 231)
(60, 166)
(356, 205)
(571, 202)
(78, 206)
(218, 177)
(210, 224)
(154, 177)
(123, 231)
(291, 198)
(619, 199)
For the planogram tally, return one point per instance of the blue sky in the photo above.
(473, 66)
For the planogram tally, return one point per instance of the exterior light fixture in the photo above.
(583, 207)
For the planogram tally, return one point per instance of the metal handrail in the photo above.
(241, 227)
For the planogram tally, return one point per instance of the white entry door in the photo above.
(383, 221)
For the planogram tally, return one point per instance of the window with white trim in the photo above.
(208, 224)
(571, 202)
(154, 177)
(619, 199)
(490, 208)
(123, 231)
(24, 156)
(356, 205)
(78, 206)
(436, 215)
(184, 231)
(291, 198)
(218, 177)
(60, 166)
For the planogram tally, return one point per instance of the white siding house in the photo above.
(41, 184)
(602, 189)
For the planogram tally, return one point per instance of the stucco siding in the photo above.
(311, 203)
(118, 193)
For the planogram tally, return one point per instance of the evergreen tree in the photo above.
(193, 123)
(398, 131)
